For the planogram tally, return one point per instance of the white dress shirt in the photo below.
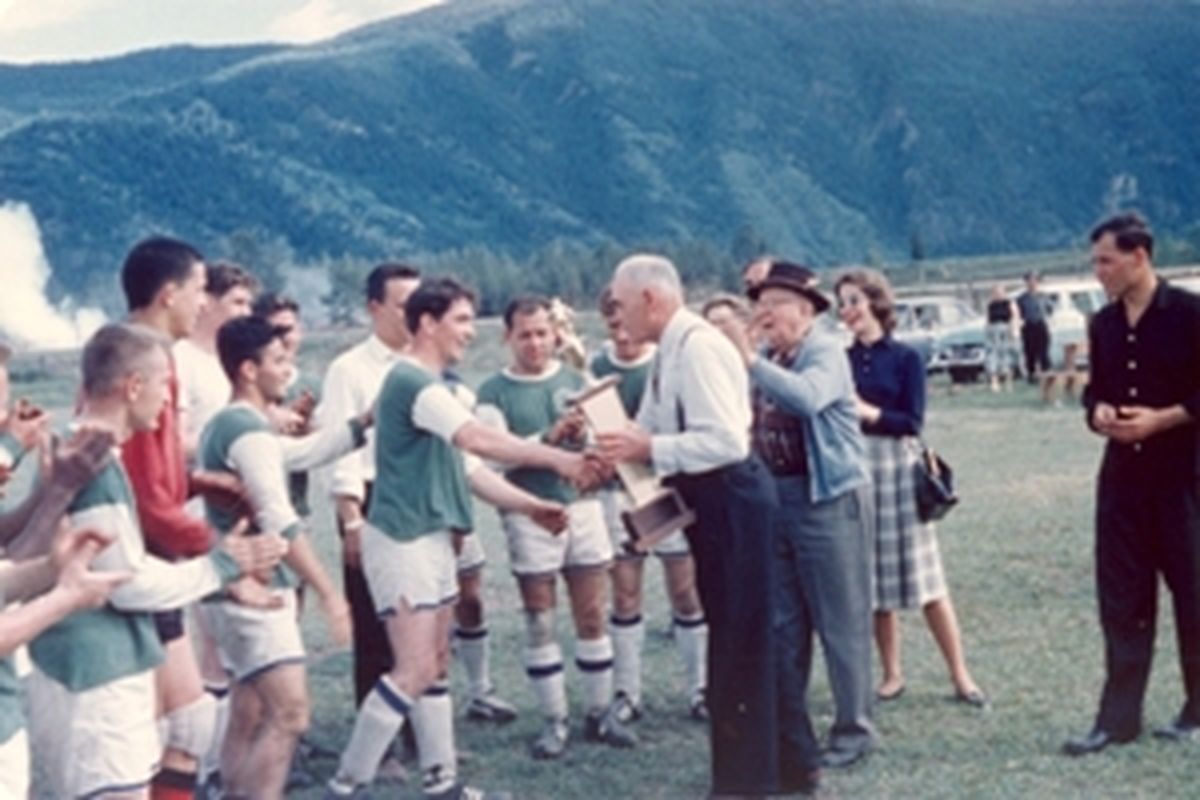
(204, 389)
(352, 384)
(698, 372)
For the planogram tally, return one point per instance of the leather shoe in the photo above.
(840, 759)
(1094, 742)
(974, 698)
(1180, 730)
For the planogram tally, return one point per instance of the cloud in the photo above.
(321, 19)
(28, 16)
(26, 316)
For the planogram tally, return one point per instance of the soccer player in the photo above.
(529, 399)
(92, 692)
(262, 648)
(630, 362)
(422, 486)
(351, 386)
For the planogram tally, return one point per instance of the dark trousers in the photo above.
(372, 651)
(824, 589)
(735, 576)
(1143, 531)
(1035, 340)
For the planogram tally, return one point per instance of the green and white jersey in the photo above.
(12, 718)
(97, 646)
(420, 479)
(632, 374)
(528, 406)
(239, 440)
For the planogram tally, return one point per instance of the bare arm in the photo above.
(303, 560)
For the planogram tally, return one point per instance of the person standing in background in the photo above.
(1035, 310)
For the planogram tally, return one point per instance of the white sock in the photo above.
(627, 638)
(472, 652)
(211, 762)
(691, 639)
(594, 657)
(379, 719)
(544, 667)
(432, 718)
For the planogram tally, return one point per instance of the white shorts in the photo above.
(533, 550)
(252, 640)
(99, 740)
(14, 767)
(471, 556)
(422, 572)
(615, 501)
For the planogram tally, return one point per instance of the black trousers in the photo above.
(731, 544)
(372, 652)
(1142, 531)
(1035, 339)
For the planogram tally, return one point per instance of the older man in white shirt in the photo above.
(694, 427)
(351, 386)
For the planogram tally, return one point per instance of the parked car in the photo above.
(1072, 304)
(923, 322)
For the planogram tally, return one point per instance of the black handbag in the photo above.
(933, 482)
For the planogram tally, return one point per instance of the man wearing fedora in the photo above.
(806, 431)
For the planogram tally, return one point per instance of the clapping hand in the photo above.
(28, 424)
(72, 555)
(73, 463)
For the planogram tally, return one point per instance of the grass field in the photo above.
(1018, 555)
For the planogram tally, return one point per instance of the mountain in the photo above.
(834, 129)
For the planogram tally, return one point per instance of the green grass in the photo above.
(1018, 556)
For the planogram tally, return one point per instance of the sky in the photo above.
(63, 30)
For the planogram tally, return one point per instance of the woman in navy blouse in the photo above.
(889, 377)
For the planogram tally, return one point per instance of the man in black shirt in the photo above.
(1144, 397)
(1035, 332)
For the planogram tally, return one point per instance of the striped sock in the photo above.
(432, 718)
(379, 719)
(544, 667)
(627, 638)
(594, 657)
(691, 640)
(472, 650)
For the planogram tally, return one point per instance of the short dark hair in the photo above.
(152, 264)
(1130, 230)
(880, 299)
(244, 339)
(113, 352)
(525, 304)
(434, 297)
(607, 302)
(224, 277)
(379, 277)
(270, 303)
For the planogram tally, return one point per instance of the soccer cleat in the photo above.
(603, 726)
(625, 709)
(551, 743)
(339, 788)
(490, 708)
(460, 791)
(698, 707)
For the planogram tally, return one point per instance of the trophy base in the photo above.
(655, 520)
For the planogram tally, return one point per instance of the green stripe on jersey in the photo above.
(530, 408)
(216, 440)
(420, 486)
(632, 379)
(12, 717)
(94, 647)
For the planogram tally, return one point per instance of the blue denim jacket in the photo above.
(818, 388)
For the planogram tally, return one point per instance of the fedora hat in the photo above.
(794, 277)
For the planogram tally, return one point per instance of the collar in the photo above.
(610, 352)
(379, 351)
(550, 371)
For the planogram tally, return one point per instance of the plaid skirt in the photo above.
(908, 566)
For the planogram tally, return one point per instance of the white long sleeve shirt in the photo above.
(698, 375)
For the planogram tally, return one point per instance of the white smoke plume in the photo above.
(27, 319)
